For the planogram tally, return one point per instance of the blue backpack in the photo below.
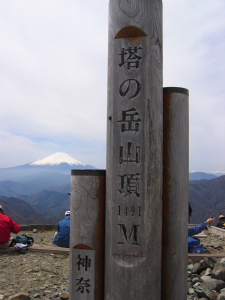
(23, 239)
(194, 246)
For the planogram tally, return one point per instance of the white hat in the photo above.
(67, 213)
(1, 207)
(221, 216)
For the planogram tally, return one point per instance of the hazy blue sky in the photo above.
(53, 78)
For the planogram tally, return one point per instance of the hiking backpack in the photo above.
(194, 246)
(22, 239)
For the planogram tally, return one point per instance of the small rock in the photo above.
(191, 291)
(199, 293)
(190, 261)
(219, 273)
(221, 296)
(196, 280)
(206, 293)
(195, 275)
(191, 297)
(213, 284)
(23, 296)
(218, 246)
(197, 285)
(6, 295)
(46, 292)
(56, 295)
(209, 262)
(208, 272)
(35, 230)
(205, 278)
(190, 267)
(198, 268)
(1, 297)
(37, 296)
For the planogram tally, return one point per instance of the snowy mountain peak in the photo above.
(57, 159)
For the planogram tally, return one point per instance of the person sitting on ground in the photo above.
(221, 223)
(197, 229)
(62, 237)
(7, 225)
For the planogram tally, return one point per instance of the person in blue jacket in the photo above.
(193, 244)
(197, 229)
(62, 237)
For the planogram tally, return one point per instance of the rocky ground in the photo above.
(206, 279)
(46, 275)
(213, 244)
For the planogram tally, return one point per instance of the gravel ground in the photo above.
(213, 244)
(46, 276)
(41, 275)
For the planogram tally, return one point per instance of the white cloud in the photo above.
(194, 48)
(53, 77)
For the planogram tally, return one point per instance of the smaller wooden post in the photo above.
(175, 193)
(87, 235)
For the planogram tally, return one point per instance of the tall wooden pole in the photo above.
(87, 235)
(175, 193)
(134, 151)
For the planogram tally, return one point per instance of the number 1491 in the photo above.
(129, 211)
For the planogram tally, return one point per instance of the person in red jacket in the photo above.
(7, 225)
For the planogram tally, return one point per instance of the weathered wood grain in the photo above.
(134, 151)
(175, 193)
(87, 235)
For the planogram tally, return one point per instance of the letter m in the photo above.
(128, 237)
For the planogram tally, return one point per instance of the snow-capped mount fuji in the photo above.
(43, 184)
(60, 163)
(57, 159)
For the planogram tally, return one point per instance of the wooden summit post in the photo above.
(87, 235)
(134, 151)
(175, 193)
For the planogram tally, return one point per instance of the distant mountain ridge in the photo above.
(35, 183)
(59, 162)
(201, 175)
(37, 193)
(46, 207)
(207, 198)
(23, 213)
